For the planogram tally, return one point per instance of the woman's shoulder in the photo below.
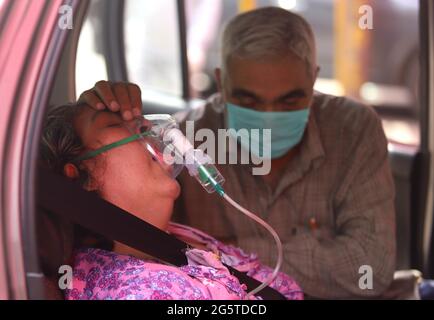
(245, 262)
(230, 255)
(102, 275)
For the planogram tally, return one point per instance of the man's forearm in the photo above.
(331, 269)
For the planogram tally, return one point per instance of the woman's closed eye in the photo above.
(112, 122)
(111, 125)
(108, 119)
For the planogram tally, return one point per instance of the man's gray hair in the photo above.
(268, 33)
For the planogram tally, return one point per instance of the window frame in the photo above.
(425, 198)
(114, 45)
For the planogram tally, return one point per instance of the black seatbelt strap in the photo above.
(68, 199)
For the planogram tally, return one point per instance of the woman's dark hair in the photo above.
(60, 144)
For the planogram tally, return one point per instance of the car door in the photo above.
(32, 38)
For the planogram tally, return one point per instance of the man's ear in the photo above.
(70, 171)
(317, 70)
(218, 78)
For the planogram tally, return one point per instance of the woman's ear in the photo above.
(70, 171)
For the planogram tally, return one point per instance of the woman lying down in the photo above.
(130, 177)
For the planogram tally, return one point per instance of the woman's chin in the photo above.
(174, 189)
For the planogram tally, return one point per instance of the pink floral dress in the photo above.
(104, 275)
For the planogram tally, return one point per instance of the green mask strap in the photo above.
(110, 146)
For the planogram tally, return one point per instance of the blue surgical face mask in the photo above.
(287, 129)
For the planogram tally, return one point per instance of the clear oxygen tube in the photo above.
(201, 167)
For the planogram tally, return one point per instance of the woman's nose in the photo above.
(167, 167)
(164, 161)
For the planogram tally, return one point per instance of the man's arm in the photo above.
(364, 225)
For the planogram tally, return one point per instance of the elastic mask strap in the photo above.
(110, 146)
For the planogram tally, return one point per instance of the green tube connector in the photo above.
(210, 178)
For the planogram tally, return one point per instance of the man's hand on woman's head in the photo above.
(121, 97)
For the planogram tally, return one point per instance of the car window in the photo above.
(363, 51)
(91, 63)
(1, 8)
(152, 48)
